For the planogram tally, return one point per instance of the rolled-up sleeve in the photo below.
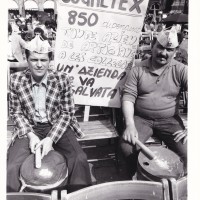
(130, 90)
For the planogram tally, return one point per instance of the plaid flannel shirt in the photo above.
(59, 104)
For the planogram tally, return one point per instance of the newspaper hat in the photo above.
(168, 38)
(38, 45)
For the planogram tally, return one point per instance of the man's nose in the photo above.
(39, 64)
(164, 51)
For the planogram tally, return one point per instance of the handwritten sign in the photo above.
(95, 44)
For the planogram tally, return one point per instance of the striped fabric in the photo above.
(59, 104)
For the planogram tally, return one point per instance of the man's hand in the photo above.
(180, 135)
(45, 145)
(33, 141)
(130, 134)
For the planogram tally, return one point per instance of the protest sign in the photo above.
(95, 44)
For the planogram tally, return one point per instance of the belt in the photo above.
(42, 123)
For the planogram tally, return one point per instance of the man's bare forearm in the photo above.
(128, 111)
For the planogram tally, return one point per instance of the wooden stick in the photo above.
(38, 158)
(150, 154)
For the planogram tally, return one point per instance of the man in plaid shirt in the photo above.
(42, 107)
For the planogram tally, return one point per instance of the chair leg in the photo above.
(116, 146)
(64, 195)
(54, 195)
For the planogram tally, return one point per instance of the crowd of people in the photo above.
(30, 26)
(153, 26)
(42, 105)
(22, 30)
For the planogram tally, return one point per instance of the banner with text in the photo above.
(95, 44)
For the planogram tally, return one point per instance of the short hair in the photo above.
(34, 16)
(23, 27)
(27, 53)
(28, 21)
(38, 30)
(185, 26)
(47, 23)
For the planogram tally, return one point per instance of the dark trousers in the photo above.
(78, 168)
(161, 128)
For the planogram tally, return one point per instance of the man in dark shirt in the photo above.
(151, 99)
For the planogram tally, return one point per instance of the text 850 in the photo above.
(91, 20)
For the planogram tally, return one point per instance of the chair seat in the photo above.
(98, 129)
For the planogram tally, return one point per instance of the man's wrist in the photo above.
(30, 134)
(130, 123)
(50, 139)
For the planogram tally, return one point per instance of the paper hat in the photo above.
(38, 45)
(168, 38)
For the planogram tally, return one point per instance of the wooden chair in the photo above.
(178, 188)
(98, 126)
(101, 126)
(122, 190)
(32, 196)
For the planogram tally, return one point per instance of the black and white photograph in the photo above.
(97, 100)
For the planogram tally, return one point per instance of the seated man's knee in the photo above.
(11, 167)
(80, 158)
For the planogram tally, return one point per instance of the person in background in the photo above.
(182, 52)
(12, 16)
(35, 21)
(42, 108)
(147, 27)
(15, 26)
(48, 31)
(30, 32)
(23, 29)
(22, 19)
(150, 101)
(28, 15)
(15, 47)
(184, 32)
(40, 32)
(159, 27)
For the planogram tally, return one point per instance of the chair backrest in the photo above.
(178, 188)
(32, 196)
(122, 190)
(87, 113)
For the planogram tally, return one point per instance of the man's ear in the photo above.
(175, 52)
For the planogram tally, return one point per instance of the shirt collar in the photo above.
(43, 81)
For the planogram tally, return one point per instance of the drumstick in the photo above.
(150, 154)
(38, 158)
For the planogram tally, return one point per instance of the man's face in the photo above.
(38, 65)
(161, 55)
(19, 23)
(185, 33)
(29, 25)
